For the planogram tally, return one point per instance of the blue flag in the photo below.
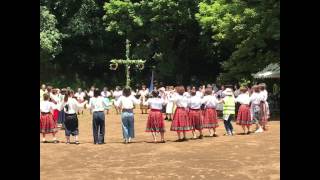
(151, 83)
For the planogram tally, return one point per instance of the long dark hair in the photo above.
(68, 93)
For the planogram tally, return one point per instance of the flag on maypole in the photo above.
(151, 83)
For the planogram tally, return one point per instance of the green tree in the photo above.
(250, 28)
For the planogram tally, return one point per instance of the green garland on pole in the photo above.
(139, 63)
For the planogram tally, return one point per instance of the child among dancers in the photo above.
(244, 116)
(181, 122)
(126, 103)
(195, 113)
(71, 106)
(155, 122)
(47, 123)
(210, 118)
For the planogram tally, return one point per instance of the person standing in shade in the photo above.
(71, 106)
(126, 103)
(228, 111)
(97, 106)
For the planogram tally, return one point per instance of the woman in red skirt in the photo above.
(195, 114)
(54, 98)
(155, 123)
(47, 124)
(210, 120)
(244, 114)
(181, 122)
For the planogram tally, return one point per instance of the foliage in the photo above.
(253, 29)
(209, 40)
(50, 37)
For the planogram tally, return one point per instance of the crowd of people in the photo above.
(191, 109)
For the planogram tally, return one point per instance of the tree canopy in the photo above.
(182, 41)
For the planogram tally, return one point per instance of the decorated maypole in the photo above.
(138, 63)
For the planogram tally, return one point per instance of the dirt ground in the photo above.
(240, 157)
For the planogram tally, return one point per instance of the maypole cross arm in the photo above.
(139, 63)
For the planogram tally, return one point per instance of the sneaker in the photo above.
(259, 130)
(184, 139)
(67, 142)
(215, 135)
(201, 137)
(77, 142)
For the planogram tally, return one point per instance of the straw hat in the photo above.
(228, 92)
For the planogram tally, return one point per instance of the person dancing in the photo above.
(47, 123)
(181, 122)
(126, 103)
(155, 122)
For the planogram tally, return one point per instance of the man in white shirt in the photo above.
(97, 106)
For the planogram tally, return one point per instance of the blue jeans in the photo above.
(98, 126)
(227, 124)
(127, 125)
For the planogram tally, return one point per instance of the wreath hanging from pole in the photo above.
(114, 66)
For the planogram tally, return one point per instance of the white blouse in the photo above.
(199, 93)
(187, 94)
(181, 101)
(117, 94)
(155, 103)
(80, 96)
(256, 98)
(97, 104)
(144, 92)
(127, 102)
(264, 93)
(73, 106)
(105, 94)
(243, 99)
(47, 106)
(194, 102)
(210, 101)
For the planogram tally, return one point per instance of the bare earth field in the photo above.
(240, 157)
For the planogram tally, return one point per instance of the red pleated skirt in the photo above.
(210, 119)
(195, 116)
(181, 122)
(155, 122)
(55, 115)
(264, 113)
(47, 124)
(244, 115)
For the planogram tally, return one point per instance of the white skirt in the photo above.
(169, 108)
